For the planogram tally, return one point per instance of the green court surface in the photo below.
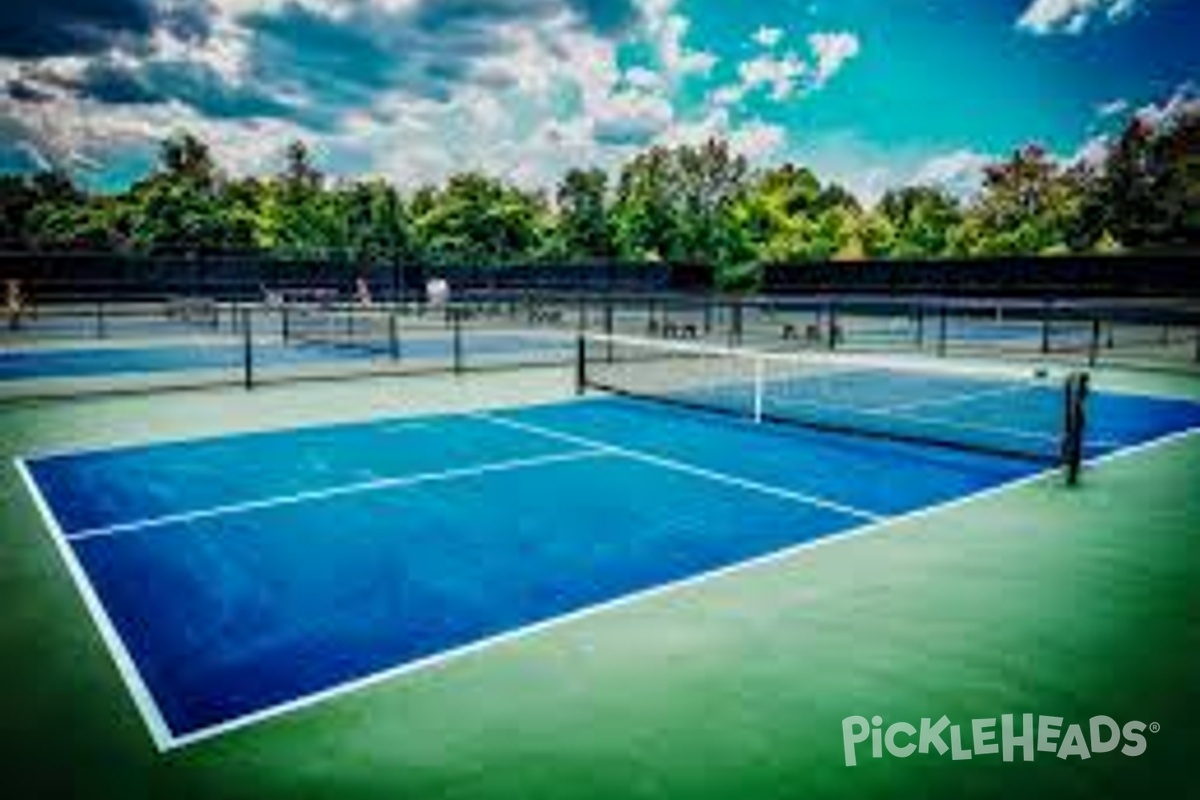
(1037, 599)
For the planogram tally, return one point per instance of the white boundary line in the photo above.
(165, 740)
(335, 491)
(151, 716)
(534, 629)
(681, 466)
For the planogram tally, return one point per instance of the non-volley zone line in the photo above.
(362, 487)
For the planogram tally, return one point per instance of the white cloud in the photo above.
(645, 79)
(1043, 17)
(784, 75)
(758, 140)
(833, 50)
(755, 139)
(959, 172)
(1185, 99)
(768, 37)
(779, 74)
(1092, 152)
(668, 31)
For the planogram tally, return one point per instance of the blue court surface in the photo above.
(29, 363)
(238, 578)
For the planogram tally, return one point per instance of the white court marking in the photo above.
(362, 487)
(164, 739)
(684, 467)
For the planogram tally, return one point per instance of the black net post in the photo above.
(735, 323)
(393, 336)
(608, 330)
(101, 322)
(1045, 328)
(831, 313)
(581, 364)
(1075, 425)
(285, 323)
(708, 315)
(458, 343)
(920, 325)
(247, 351)
(942, 321)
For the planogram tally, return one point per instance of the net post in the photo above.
(247, 351)
(759, 386)
(581, 363)
(831, 321)
(458, 343)
(1075, 412)
(941, 341)
(393, 337)
(735, 323)
(1045, 327)
(101, 323)
(920, 315)
(285, 323)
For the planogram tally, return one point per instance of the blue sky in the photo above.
(871, 93)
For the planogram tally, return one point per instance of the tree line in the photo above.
(700, 204)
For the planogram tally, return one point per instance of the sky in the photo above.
(869, 93)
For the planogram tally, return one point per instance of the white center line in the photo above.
(336, 491)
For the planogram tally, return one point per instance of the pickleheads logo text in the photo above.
(982, 737)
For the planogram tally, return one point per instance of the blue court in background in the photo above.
(242, 575)
(81, 362)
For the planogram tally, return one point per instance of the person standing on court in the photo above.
(14, 302)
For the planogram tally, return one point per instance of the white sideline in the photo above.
(335, 491)
(142, 699)
(684, 467)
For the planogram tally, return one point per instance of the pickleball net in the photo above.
(1024, 413)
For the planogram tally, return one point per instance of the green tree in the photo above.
(479, 219)
(922, 219)
(583, 228)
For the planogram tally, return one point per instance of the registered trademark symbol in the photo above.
(1155, 727)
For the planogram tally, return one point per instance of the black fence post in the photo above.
(735, 323)
(1094, 344)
